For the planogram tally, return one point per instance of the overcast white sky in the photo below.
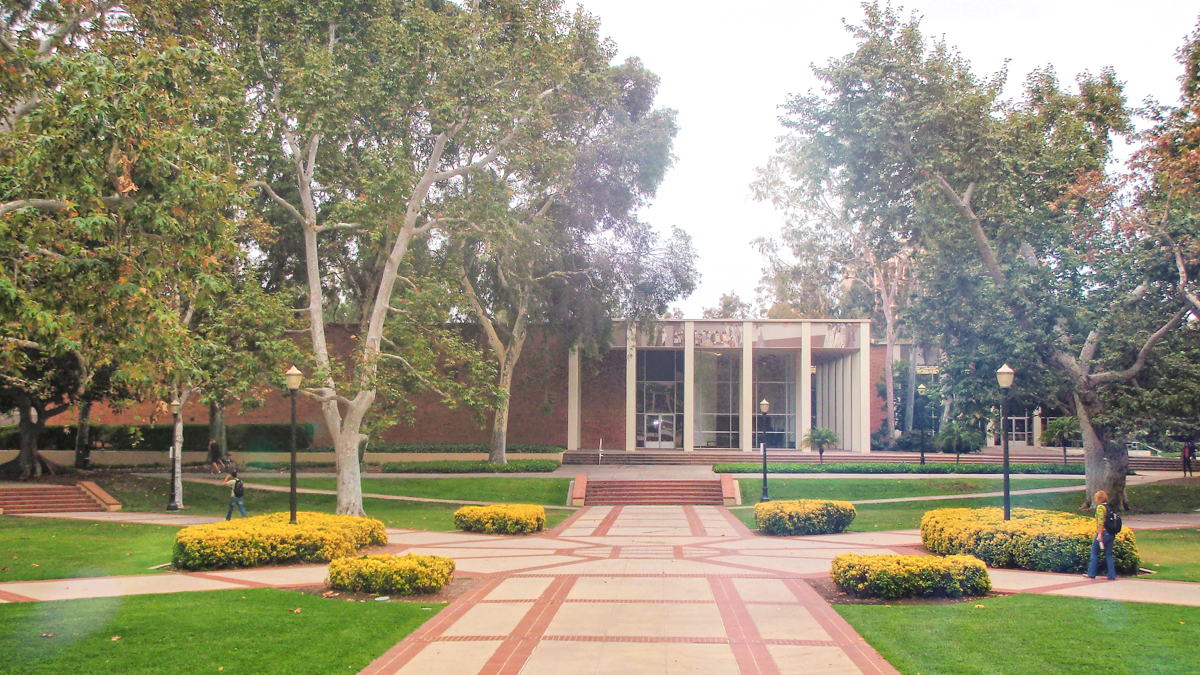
(726, 67)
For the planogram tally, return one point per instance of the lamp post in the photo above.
(1004, 377)
(176, 479)
(293, 377)
(763, 406)
(921, 390)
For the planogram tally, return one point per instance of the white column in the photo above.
(840, 401)
(862, 417)
(630, 388)
(573, 399)
(803, 402)
(747, 398)
(1036, 441)
(689, 385)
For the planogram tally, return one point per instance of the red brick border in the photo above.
(862, 654)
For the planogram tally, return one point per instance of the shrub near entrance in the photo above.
(399, 574)
(803, 516)
(1046, 541)
(501, 518)
(904, 576)
(271, 539)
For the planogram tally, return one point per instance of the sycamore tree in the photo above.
(905, 124)
(369, 118)
(549, 215)
(114, 174)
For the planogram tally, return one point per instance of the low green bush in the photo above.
(501, 518)
(1046, 541)
(803, 516)
(242, 437)
(391, 574)
(906, 576)
(455, 448)
(896, 467)
(470, 466)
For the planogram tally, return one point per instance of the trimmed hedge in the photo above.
(1046, 541)
(455, 448)
(895, 467)
(501, 518)
(471, 466)
(803, 516)
(906, 576)
(271, 539)
(240, 437)
(393, 574)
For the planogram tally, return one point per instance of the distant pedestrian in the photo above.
(237, 494)
(1189, 453)
(1102, 541)
(215, 459)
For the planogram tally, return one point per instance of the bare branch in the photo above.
(1140, 362)
(278, 200)
(495, 150)
(413, 371)
(339, 226)
(28, 344)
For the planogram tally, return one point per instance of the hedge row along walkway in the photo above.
(626, 589)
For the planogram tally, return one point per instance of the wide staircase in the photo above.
(653, 492)
(23, 499)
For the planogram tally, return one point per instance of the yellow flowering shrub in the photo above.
(1048, 541)
(393, 574)
(905, 576)
(501, 518)
(271, 539)
(803, 516)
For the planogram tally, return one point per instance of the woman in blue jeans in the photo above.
(1103, 541)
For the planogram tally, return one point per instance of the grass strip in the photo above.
(1170, 553)
(524, 490)
(895, 467)
(139, 493)
(472, 466)
(47, 548)
(252, 631)
(853, 489)
(1030, 634)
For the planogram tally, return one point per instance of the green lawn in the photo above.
(44, 548)
(548, 491)
(1031, 634)
(853, 489)
(1174, 554)
(247, 631)
(150, 494)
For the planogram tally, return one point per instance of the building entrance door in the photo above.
(660, 431)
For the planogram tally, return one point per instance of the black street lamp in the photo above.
(293, 377)
(763, 406)
(1004, 377)
(921, 390)
(173, 502)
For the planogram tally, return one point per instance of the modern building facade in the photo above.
(709, 384)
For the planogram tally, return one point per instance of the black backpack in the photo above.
(1112, 520)
(239, 490)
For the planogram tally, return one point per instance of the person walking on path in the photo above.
(237, 494)
(1188, 454)
(215, 458)
(1103, 540)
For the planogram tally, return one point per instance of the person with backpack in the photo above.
(1108, 524)
(236, 495)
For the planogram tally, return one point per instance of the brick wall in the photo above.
(602, 401)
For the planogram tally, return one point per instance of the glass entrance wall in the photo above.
(775, 381)
(659, 390)
(718, 378)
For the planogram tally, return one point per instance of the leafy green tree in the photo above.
(820, 438)
(370, 118)
(729, 306)
(1061, 431)
(959, 437)
(916, 140)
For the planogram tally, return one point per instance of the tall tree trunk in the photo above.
(889, 375)
(216, 426)
(1105, 462)
(910, 390)
(499, 451)
(83, 441)
(177, 446)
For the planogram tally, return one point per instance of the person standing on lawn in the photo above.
(237, 494)
(215, 459)
(1188, 454)
(1103, 540)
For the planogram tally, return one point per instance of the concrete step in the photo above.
(621, 492)
(46, 499)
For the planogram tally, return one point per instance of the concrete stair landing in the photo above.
(26, 499)
(654, 492)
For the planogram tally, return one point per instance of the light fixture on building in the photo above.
(764, 406)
